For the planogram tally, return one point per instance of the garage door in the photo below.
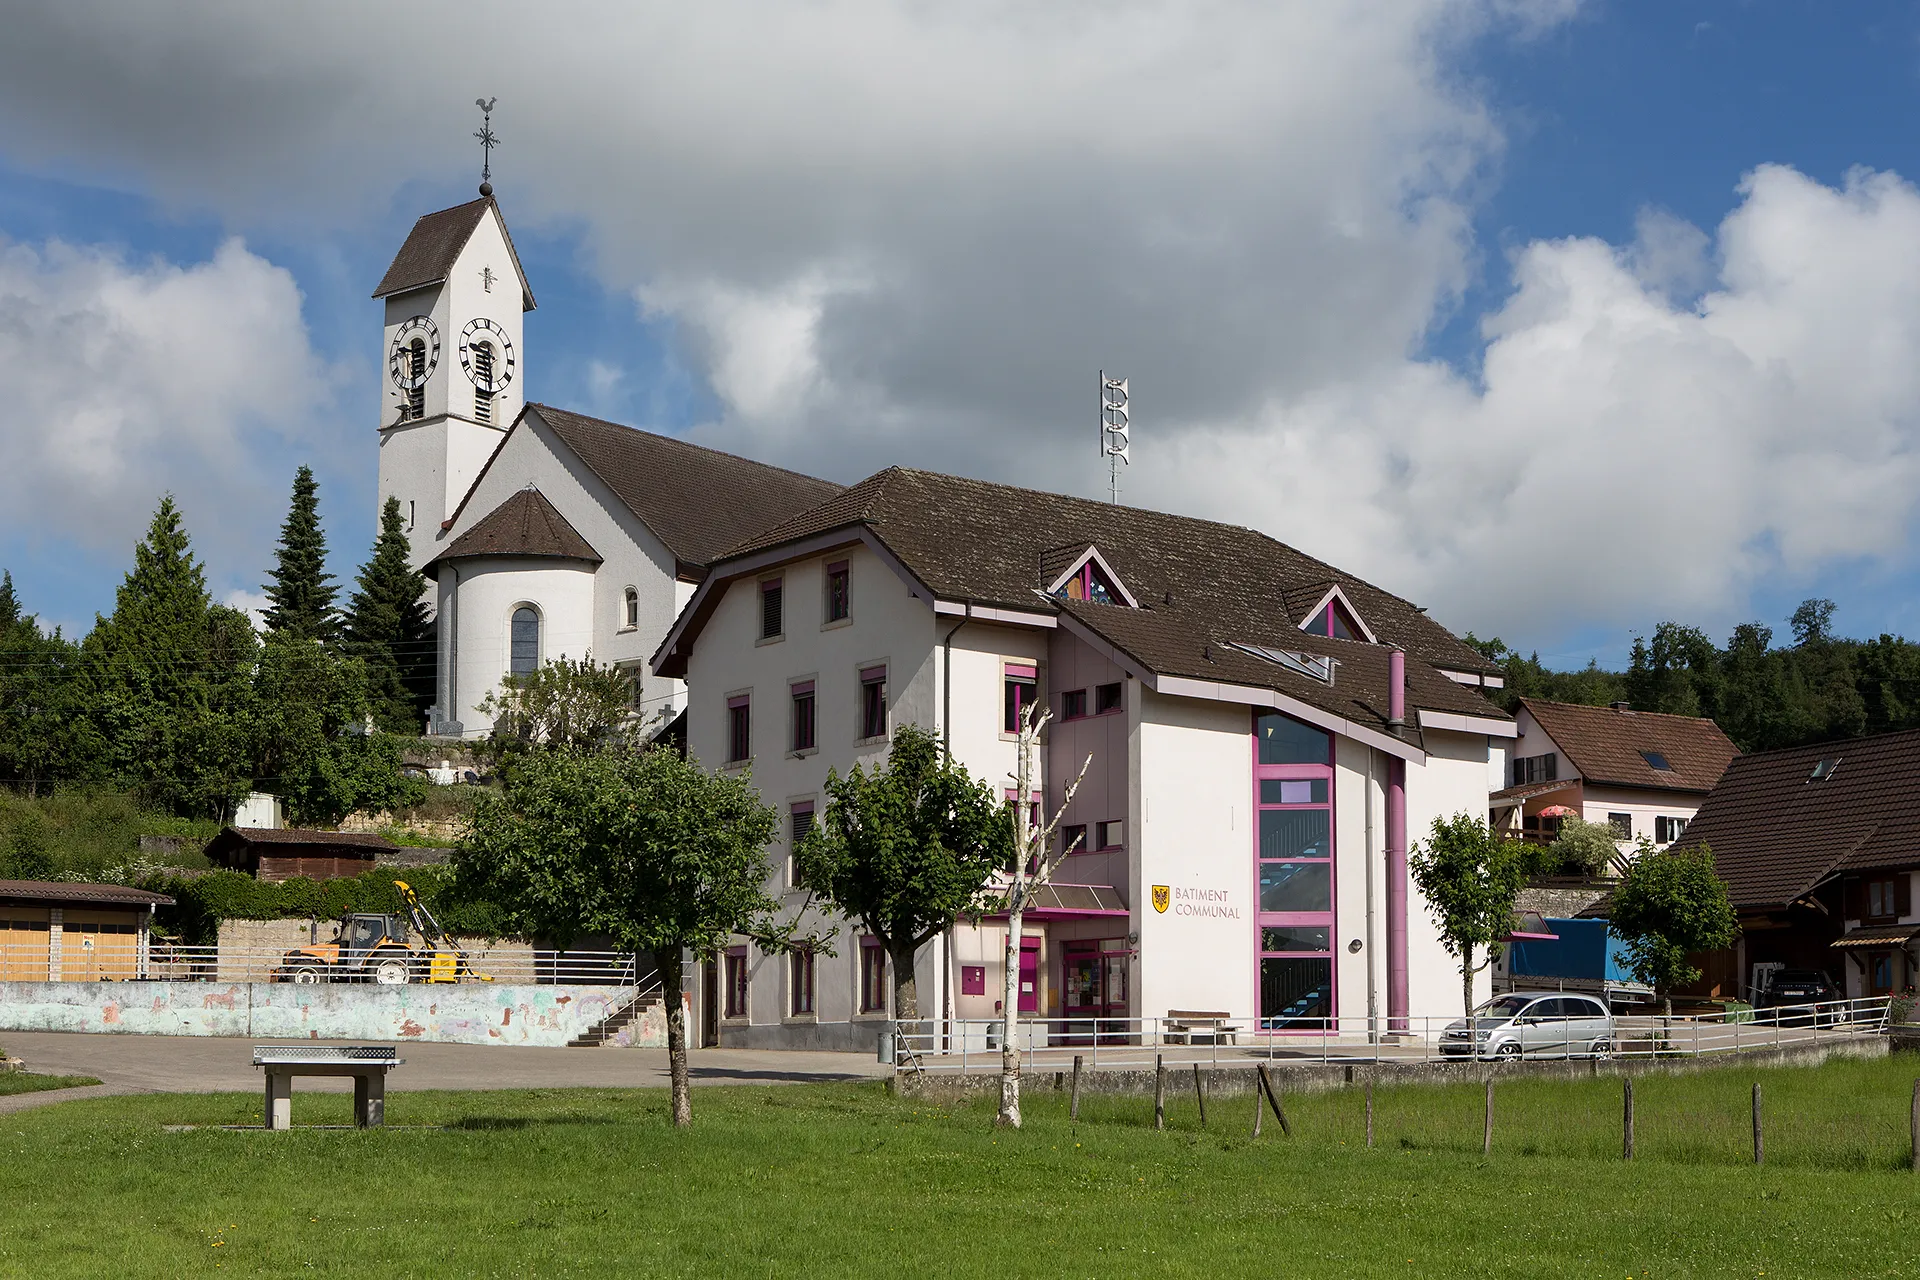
(98, 946)
(23, 944)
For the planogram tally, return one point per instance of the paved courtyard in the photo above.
(205, 1064)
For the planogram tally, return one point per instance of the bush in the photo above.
(201, 902)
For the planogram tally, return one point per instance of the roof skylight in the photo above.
(1657, 760)
(1824, 770)
(1311, 665)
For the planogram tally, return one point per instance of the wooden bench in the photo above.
(367, 1064)
(1198, 1026)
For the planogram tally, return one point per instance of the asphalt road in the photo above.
(206, 1064)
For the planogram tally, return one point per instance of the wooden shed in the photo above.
(52, 931)
(281, 854)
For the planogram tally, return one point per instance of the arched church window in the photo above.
(523, 656)
(482, 378)
(417, 375)
(631, 617)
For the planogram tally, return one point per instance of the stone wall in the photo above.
(463, 1013)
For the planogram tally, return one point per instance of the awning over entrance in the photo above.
(1879, 935)
(1051, 900)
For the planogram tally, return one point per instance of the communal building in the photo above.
(1267, 734)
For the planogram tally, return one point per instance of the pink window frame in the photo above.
(870, 676)
(1283, 919)
(740, 702)
(1010, 672)
(735, 999)
(797, 690)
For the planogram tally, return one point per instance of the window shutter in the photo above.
(770, 620)
(1902, 894)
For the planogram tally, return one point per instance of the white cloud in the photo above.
(1626, 455)
(123, 380)
(252, 603)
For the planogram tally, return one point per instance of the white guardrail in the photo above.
(105, 962)
(1053, 1044)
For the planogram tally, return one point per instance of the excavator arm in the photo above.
(431, 934)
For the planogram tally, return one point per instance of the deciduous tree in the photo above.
(905, 850)
(1033, 863)
(1670, 904)
(1470, 878)
(645, 847)
(563, 703)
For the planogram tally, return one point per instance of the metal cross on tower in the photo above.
(487, 143)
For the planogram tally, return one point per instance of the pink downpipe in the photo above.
(1397, 1010)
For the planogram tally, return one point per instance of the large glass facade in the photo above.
(1293, 785)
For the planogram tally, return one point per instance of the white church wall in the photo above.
(490, 590)
(631, 556)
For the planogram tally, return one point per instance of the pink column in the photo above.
(1396, 849)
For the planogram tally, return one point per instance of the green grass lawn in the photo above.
(845, 1180)
(27, 1082)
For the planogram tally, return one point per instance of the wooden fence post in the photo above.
(1913, 1125)
(1073, 1099)
(1370, 1110)
(1273, 1100)
(1259, 1106)
(1200, 1095)
(1759, 1148)
(1486, 1131)
(1159, 1092)
(1626, 1123)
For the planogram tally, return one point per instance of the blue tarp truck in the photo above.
(1580, 956)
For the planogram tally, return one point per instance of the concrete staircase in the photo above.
(611, 1025)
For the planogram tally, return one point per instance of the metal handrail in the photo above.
(168, 961)
(1118, 1043)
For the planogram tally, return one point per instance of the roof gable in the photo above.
(1089, 577)
(1333, 614)
(1776, 832)
(1201, 588)
(524, 525)
(697, 501)
(1609, 745)
(428, 254)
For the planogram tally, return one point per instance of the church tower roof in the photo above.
(434, 245)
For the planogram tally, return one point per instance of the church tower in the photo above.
(454, 296)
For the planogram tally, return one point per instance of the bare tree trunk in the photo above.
(906, 991)
(667, 960)
(1009, 1116)
(1466, 998)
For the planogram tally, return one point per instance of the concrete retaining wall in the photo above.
(465, 1013)
(1236, 1077)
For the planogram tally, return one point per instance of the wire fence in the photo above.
(80, 959)
(1218, 1040)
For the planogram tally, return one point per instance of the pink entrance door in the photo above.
(1029, 975)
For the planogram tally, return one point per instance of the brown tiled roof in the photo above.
(431, 248)
(524, 525)
(697, 501)
(62, 891)
(1204, 586)
(1604, 744)
(232, 845)
(1775, 833)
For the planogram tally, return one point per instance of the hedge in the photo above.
(202, 901)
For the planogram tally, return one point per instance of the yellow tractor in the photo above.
(378, 948)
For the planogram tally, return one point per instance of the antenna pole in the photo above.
(1113, 430)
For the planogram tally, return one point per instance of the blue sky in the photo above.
(1590, 119)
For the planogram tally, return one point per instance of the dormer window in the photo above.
(1092, 579)
(1334, 616)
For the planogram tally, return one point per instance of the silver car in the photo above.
(1544, 1024)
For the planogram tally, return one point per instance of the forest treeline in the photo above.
(179, 699)
(1818, 688)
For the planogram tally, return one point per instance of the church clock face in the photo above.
(487, 356)
(415, 353)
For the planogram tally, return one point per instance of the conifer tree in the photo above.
(168, 678)
(302, 591)
(388, 629)
(41, 740)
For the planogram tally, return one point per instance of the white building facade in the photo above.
(1245, 815)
